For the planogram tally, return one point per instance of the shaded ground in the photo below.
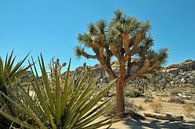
(154, 124)
(130, 123)
(150, 123)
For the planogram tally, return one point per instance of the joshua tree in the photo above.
(130, 42)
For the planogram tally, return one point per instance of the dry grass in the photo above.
(188, 108)
(156, 106)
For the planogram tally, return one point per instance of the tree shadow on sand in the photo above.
(157, 124)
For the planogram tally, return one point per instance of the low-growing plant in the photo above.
(58, 104)
(176, 100)
(131, 106)
(188, 108)
(133, 92)
(148, 97)
(156, 106)
(111, 109)
(175, 92)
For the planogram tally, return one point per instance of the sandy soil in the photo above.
(150, 123)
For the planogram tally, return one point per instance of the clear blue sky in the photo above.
(52, 26)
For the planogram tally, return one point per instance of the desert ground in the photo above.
(166, 104)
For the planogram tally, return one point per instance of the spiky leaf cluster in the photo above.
(59, 103)
(10, 71)
(125, 38)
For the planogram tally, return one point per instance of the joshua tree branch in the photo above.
(83, 53)
(142, 70)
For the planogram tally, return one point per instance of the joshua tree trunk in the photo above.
(120, 109)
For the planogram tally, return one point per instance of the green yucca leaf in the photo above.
(58, 96)
(96, 99)
(66, 88)
(25, 110)
(73, 106)
(8, 59)
(41, 99)
(39, 94)
(76, 93)
(10, 71)
(16, 120)
(78, 88)
(87, 115)
(106, 121)
(46, 81)
(31, 102)
(15, 71)
(94, 114)
(73, 121)
(84, 95)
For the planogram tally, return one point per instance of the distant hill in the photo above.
(174, 74)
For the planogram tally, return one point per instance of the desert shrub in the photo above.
(176, 100)
(133, 92)
(188, 108)
(192, 91)
(111, 110)
(175, 92)
(131, 106)
(148, 97)
(156, 106)
(60, 104)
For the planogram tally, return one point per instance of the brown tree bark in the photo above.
(120, 108)
(107, 67)
(109, 71)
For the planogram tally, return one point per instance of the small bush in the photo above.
(148, 97)
(131, 106)
(188, 108)
(175, 92)
(176, 100)
(111, 110)
(156, 106)
(133, 92)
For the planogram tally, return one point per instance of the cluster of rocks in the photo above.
(175, 74)
(178, 74)
(182, 73)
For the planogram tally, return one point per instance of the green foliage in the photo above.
(10, 71)
(130, 41)
(133, 92)
(59, 102)
(119, 25)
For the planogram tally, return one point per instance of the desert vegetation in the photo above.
(124, 38)
(129, 85)
(52, 101)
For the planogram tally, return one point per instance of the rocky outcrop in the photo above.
(176, 74)
(188, 65)
(180, 73)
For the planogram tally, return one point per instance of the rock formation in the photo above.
(175, 74)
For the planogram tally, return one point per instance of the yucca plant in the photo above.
(59, 103)
(10, 71)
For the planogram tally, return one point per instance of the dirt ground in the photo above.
(150, 123)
